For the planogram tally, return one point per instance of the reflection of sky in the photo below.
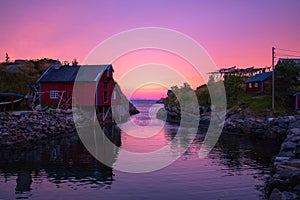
(233, 170)
(234, 32)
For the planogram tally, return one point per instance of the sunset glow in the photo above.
(234, 33)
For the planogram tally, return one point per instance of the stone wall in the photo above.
(285, 181)
(241, 122)
(23, 130)
(238, 122)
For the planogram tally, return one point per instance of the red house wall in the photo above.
(267, 86)
(85, 89)
(109, 90)
(253, 89)
(46, 87)
(85, 93)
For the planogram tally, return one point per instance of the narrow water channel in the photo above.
(237, 168)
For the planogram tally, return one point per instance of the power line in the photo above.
(288, 50)
(288, 55)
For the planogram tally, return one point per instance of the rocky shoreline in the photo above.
(285, 179)
(238, 122)
(285, 182)
(265, 127)
(24, 130)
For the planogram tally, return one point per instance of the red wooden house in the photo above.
(260, 83)
(56, 86)
(296, 100)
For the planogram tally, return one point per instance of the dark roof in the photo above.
(69, 73)
(11, 94)
(296, 60)
(259, 77)
(296, 93)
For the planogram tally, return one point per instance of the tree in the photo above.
(203, 95)
(66, 63)
(6, 58)
(233, 86)
(74, 62)
(286, 80)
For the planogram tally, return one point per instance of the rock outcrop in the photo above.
(285, 182)
(23, 130)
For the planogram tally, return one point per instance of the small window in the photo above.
(107, 73)
(114, 95)
(250, 85)
(53, 94)
(105, 97)
(255, 84)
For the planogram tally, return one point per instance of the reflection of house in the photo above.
(260, 83)
(24, 181)
(56, 85)
(60, 161)
(72, 159)
(296, 100)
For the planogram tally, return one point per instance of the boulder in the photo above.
(288, 196)
(68, 111)
(38, 107)
(297, 188)
(288, 146)
(294, 131)
(277, 183)
(283, 123)
(297, 150)
(58, 110)
(275, 195)
(294, 163)
(286, 154)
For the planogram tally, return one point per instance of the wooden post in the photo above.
(273, 78)
(103, 113)
(12, 102)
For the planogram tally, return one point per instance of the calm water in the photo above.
(63, 169)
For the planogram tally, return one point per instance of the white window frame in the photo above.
(54, 94)
(250, 85)
(256, 84)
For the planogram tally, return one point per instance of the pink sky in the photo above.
(234, 32)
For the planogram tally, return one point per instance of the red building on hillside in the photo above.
(260, 83)
(56, 86)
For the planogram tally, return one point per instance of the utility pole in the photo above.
(273, 79)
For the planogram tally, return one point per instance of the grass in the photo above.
(259, 104)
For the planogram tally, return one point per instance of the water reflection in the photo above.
(64, 168)
(236, 152)
(61, 161)
(231, 150)
(24, 181)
